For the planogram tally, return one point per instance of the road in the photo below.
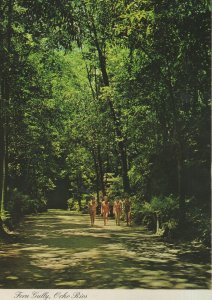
(59, 249)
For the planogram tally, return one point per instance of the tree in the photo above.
(95, 19)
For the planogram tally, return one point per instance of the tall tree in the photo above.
(96, 19)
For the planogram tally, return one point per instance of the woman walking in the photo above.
(92, 210)
(105, 209)
(117, 210)
(127, 209)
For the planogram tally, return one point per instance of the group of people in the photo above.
(118, 207)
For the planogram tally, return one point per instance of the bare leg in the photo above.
(118, 218)
(104, 217)
(129, 218)
(127, 215)
(94, 217)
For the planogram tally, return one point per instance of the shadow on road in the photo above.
(59, 249)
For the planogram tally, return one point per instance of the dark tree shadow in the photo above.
(59, 249)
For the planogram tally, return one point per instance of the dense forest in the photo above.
(107, 97)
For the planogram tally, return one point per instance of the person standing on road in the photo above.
(105, 209)
(127, 210)
(92, 210)
(117, 210)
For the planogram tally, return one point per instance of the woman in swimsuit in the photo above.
(127, 209)
(92, 210)
(105, 209)
(117, 210)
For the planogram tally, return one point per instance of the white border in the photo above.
(93, 294)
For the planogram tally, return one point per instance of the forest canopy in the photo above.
(106, 97)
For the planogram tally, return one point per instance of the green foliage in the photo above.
(73, 204)
(5, 216)
(165, 209)
(19, 205)
(167, 206)
(114, 186)
(90, 88)
(198, 223)
(137, 209)
(79, 204)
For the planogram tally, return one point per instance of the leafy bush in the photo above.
(114, 186)
(171, 228)
(164, 210)
(167, 207)
(73, 204)
(198, 223)
(147, 216)
(19, 205)
(137, 212)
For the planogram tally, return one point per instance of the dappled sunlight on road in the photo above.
(59, 249)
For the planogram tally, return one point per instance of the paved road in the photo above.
(59, 249)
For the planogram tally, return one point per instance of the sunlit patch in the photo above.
(34, 248)
(76, 283)
(11, 253)
(161, 283)
(60, 249)
(55, 259)
(12, 277)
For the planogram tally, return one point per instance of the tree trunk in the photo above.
(180, 186)
(4, 105)
(101, 172)
(122, 142)
(97, 175)
(79, 189)
(125, 177)
(179, 156)
(2, 157)
(157, 223)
